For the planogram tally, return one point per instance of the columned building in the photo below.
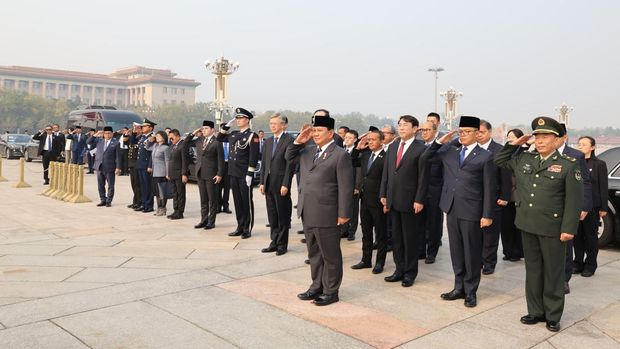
(134, 86)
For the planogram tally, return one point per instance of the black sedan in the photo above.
(609, 228)
(12, 145)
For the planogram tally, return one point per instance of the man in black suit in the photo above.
(503, 190)
(432, 214)
(50, 146)
(177, 172)
(369, 160)
(564, 149)
(107, 160)
(209, 171)
(348, 230)
(124, 144)
(324, 203)
(403, 193)
(131, 138)
(468, 198)
(276, 175)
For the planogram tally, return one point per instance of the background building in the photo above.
(137, 86)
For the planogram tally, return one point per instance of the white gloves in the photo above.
(230, 123)
(248, 180)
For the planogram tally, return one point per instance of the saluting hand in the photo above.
(566, 236)
(362, 143)
(304, 134)
(485, 222)
(521, 140)
(447, 137)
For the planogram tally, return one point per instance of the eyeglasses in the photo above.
(48, 129)
(465, 132)
(425, 129)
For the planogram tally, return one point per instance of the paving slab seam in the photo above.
(191, 322)
(65, 250)
(71, 334)
(72, 275)
(180, 271)
(125, 262)
(254, 275)
(29, 241)
(600, 329)
(189, 254)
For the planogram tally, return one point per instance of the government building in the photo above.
(134, 86)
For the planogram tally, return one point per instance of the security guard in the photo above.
(243, 158)
(549, 201)
(142, 163)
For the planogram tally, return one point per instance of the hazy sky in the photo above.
(512, 60)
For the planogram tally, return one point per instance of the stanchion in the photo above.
(80, 198)
(53, 180)
(2, 179)
(69, 182)
(51, 173)
(21, 183)
(62, 175)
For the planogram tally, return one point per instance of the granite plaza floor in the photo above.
(80, 276)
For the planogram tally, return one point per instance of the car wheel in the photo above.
(27, 156)
(606, 230)
(7, 153)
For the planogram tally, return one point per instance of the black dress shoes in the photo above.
(378, 269)
(505, 258)
(209, 226)
(326, 299)
(361, 265)
(139, 208)
(235, 233)
(131, 206)
(303, 241)
(200, 225)
(307, 261)
(226, 210)
(281, 251)
(147, 210)
(553, 326)
(471, 301)
(351, 237)
(300, 232)
(269, 249)
(429, 260)
(102, 203)
(246, 235)
(407, 282)
(453, 295)
(108, 204)
(488, 270)
(393, 278)
(587, 273)
(309, 295)
(566, 288)
(532, 319)
(176, 216)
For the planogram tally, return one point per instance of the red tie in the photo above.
(399, 155)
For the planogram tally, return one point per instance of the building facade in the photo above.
(134, 86)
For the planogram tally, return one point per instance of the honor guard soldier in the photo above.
(242, 161)
(550, 199)
(142, 163)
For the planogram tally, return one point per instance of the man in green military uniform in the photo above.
(549, 201)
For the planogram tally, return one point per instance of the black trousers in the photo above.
(91, 162)
(146, 188)
(178, 195)
(490, 240)
(432, 216)
(406, 226)
(102, 179)
(209, 200)
(325, 258)
(244, 205)
(134, 178)
(586, 243)
(466, 253)
(279, 209)
(223, 188)
(47, 157)
(350, 227)
(511, 235)
(124, 165)
(373, 218)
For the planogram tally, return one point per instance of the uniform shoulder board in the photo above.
(569, 158)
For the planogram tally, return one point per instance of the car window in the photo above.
(18, 138)
(611, 158)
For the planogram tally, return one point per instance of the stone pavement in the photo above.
(80, 276)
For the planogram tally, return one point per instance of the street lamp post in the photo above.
(221, 68)
(564, 111)
(451, 95)
(436, 70)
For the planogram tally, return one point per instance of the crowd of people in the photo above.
(540, 197)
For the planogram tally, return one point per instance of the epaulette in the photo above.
(569, 158)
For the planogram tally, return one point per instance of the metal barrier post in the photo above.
(21, 183)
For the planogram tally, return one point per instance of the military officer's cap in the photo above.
(107, 128)
(243, 112)
(207, 123)
(148, 122)
(543, 124)
(564, 127)
(324, 121)
(469, 121)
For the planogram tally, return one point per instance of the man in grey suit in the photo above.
(209, 171)
(276, 175)
(107, 162)
(468, 198)
(324, 203)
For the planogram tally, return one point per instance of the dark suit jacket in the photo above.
(600, 188)
(276, 171)
(369, 179)
(468, 191)
(57, 143)
(504, 176)
(80, 145)
(106, 160)
(209, 160)
(177, 165)
(585, 174)
(325, 186)
(408, 183)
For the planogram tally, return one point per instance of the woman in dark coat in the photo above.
(586, 240)
(511, 236)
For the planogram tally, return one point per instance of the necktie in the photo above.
(49, 142)
(462, 156)
(399, 155)
(78, 138)
(273, 148)
(372, 158)
(318, 151)
(106, 145)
